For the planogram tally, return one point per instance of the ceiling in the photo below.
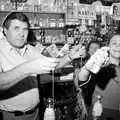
(104, 2)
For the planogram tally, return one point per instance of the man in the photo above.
(93, 46)
(19, 65)
(106, 76)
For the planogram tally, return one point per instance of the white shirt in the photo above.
(9, 58)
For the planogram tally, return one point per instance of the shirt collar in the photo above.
(10, 48)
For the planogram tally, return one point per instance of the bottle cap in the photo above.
(49, 100)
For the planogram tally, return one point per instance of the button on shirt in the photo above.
(9, 58)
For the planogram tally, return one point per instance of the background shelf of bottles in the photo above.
(34, 5)
(49, 36)
(47, 21)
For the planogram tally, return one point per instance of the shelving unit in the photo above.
(47, 22)
(45, 26)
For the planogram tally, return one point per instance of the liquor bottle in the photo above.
(70, 36)
(97, 109)
(49, 113)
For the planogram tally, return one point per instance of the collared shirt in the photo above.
(10, 58)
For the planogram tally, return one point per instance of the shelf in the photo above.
(46, 12)
(46, 44)
(42, 12)
(56, 28)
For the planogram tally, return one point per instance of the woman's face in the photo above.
(92, 48)
(115, 47)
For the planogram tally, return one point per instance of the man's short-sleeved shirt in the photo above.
(24, 95)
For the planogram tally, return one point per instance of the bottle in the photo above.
(42, 33)
(49, 113)
(97, 109)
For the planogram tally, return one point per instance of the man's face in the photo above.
(93, 48)
(115, 47)
(17, 33)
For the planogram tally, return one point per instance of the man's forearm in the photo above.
(12, 77)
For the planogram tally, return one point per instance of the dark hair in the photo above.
(91, 42)
(15, 15)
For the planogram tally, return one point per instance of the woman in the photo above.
(107, 76)
(88, 88)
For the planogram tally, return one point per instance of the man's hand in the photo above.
(77, 52)
(96, 61)
(41, 65)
